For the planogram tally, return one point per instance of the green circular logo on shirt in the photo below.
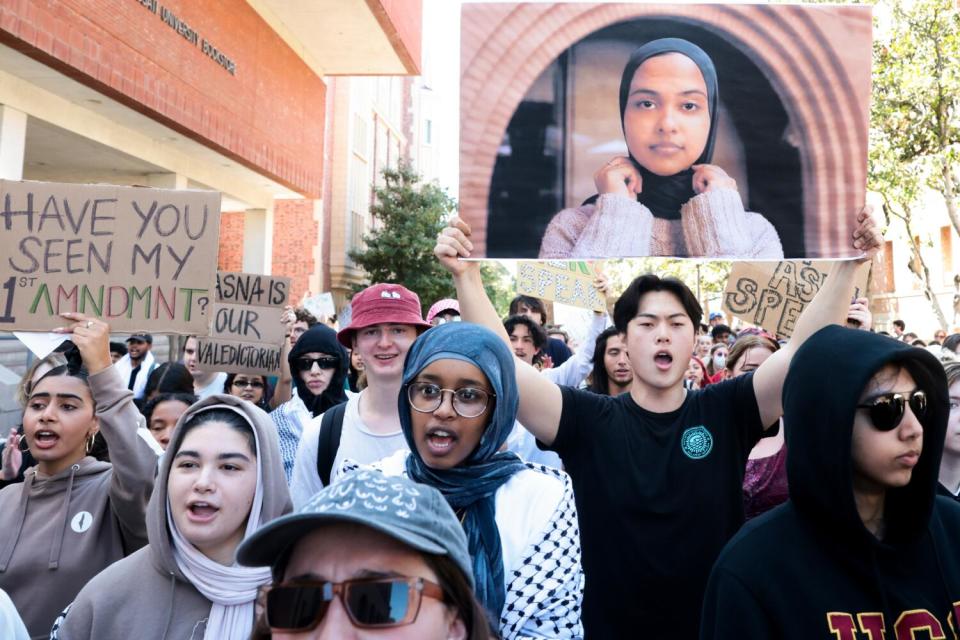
(696, 442)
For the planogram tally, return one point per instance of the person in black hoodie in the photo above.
(864, 548)
(319, 366)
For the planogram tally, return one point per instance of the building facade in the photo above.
(228, 95)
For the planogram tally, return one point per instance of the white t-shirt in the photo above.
(357, 443)
(212, 387)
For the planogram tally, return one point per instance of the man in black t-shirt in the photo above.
(657, 472)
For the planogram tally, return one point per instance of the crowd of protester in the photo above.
(461, 474)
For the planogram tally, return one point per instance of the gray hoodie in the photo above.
(146, 596)
(57, 532)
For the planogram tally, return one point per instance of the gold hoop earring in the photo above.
(90, 441)
(23, 439)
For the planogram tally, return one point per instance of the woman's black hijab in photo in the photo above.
(320, 339)
(664, 195)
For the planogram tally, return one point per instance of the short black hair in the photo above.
(534, 304)
(118, 347)
(186, 398)
(536, 331)
(900, 323)
(719, 330)
(169, 377)
(629, 303)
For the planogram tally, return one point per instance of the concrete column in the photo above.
(166, 180)
(258, 240)
(13, 140)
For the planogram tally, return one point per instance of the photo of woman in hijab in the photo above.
(664, 198)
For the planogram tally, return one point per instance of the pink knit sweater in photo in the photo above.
(713, 224)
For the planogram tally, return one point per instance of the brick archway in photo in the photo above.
(505, 47)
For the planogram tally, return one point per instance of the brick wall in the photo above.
(296, 236)
(265, 116)
(231, 241)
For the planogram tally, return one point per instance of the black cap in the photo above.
(141, 337)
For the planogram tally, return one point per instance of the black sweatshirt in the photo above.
(809, 568)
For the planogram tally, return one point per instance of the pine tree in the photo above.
(409, 214)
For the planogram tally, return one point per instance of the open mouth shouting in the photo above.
(201, 512)
(440, 441)
(45, 439)
(663, 360)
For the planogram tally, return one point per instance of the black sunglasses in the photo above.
(887, 411)
(370, 603)
(254, 384)
(326, 362)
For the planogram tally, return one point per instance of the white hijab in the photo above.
(232, 589)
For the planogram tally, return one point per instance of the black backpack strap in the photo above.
(331, 426)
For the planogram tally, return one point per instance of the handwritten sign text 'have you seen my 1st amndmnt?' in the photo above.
(142, 259)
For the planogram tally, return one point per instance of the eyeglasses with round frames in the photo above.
(468, 402)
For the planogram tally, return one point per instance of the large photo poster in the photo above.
(627, 130)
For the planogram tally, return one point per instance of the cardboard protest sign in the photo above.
(247, 333)
(765, 160)
(141, 259)
(772, 294)
(565, 282)
(321, 306)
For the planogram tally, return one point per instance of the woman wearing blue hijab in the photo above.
(458, 404)
(665, 191)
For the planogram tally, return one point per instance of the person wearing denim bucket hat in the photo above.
(386, 319)
(368, 553)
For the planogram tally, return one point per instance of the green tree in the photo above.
(408, 215)
(915, 118)
(706, 279)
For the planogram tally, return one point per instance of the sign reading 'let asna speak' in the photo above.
(560, 281)
(772, 294)
(141, 259)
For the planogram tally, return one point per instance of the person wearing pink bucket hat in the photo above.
(386, 319)
(443, 311)
(382, 304)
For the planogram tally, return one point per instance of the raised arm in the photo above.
(134, 462)
(540, 399)
(282, 392)
(829, 306)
